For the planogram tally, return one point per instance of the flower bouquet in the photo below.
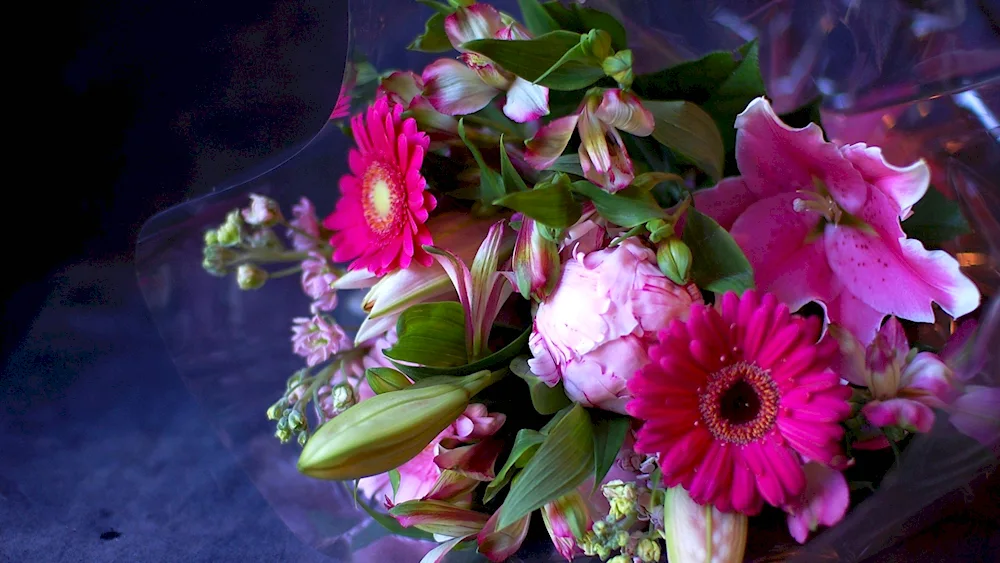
(641, 309)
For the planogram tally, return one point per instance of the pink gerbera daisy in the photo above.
(380, 219)
(735, 401)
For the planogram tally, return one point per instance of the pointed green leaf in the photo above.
(691, 133)
(694, 81)
(545, 399)
(936, 219)
(511, 179)
(385, 380)
(491, 182)
(562, 462)
(627, 208)
(533, 58)
(567, 163)
(434, 39)
(536, 18)
(494, 361)
(551, 204)
(733, 96)
(609, 435)
(580, 19)
(431, 334)
(394, 481)
(719, 263)
(526, 443)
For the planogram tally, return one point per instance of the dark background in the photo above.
(130, 108)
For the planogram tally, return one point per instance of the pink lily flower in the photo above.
(821, 222)
(603, 156)
(824, 501)
(467, 86)
(905, 385)
(481, 290)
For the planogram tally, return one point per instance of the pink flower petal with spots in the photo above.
(903, 185)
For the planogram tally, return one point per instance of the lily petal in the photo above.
(904, 186)
(526, 101)
(824, 501)
(850, 363)
(854, 315)
(478, 21)
(455, 89)
(624, 111)
(804, 154)
(461, 278)
(905, 413)
(693, 530)
(726, 201)
(549, 142)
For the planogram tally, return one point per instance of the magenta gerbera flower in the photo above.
(735, 401)
(380, 220)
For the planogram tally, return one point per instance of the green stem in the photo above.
(286, 272)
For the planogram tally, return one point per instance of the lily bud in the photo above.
(674, 259)
(249, 276)
(690, 527)
(619, 67)
(387, 430)
(536, 261)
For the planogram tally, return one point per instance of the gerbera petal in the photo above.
(767, 481)
(714, 475)
(745, 497)
(526, 101)
(455, 89)
(903, 185)
(549, 142)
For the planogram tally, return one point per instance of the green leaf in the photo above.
(690, 133)
(567, 163)
(551, 204)
(494, 361)
(936, 219)
(609, 435)
(526, 443)
(394, 480)
(719, 263)
(694, 81)
(511, 179)
(562, 462)
(438, 7)
(536, 18)
(434, 39)
(385, 380)
(533, 58)
(394, 527)
(545, 399)
(627, 208)
(733, 96)
(491, 182)
(580, 19)
(431, 334)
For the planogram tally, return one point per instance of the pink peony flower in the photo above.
(380, 218)
(905, 385)
(305, 234)
(459, 88)
(317, 282)
(593, 331)
(821, 223)
(317, 338)
(823, 502)
(734, 401)
(603, 156)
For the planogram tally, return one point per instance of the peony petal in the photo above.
(455, 89)
(624, 111)
(905, 413)
(823, 502)
(776, 241)
(479, 21)
(726, 201)
(549, 142)
(775, 158)
(904, 186)
(526, 101)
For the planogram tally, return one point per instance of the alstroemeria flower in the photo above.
(821, 222)
(603, 156)
(406, 89)
(565, 519)
(824, 501)
(467, 86)
(905, 385)
(499, 545)
(481, 290)
(536, 261)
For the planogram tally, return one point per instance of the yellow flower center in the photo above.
(380, 197)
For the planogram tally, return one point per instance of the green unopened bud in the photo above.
(621, 538)
(648, 550)
(213, 267)
(283, 434)
(302, 438)
(674, 260)
(211, 237)
(276, 411)
(249, 276)
(619, 67)
(597, 43)
(386, 380)
(342, 397)
(296, 421)
(387, 430)
(231, 232)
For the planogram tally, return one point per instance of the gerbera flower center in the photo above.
(740, 403)
(380, 197)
